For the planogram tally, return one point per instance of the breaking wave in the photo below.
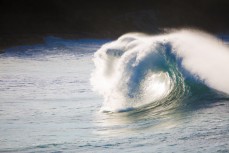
(168, 70)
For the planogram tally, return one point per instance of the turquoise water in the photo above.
(47, 105)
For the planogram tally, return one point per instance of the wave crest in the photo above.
(139, 69)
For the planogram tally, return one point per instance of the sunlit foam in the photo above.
(133, 70)
(154, 87)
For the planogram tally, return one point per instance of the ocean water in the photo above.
(139, 93)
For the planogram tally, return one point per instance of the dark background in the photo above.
(28, 21)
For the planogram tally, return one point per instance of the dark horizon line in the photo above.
(28, 21)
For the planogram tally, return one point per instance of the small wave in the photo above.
(162, 70)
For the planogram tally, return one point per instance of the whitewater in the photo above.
(138, 69)
(140, 93)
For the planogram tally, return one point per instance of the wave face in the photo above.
(169, 70)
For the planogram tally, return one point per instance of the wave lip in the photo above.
(139, 69)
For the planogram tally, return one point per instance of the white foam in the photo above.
(119, 64)
(204, 56)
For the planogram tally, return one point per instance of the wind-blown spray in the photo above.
(139, 69)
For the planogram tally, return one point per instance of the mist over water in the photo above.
(164, 93)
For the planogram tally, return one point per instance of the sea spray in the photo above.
(139, 69)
